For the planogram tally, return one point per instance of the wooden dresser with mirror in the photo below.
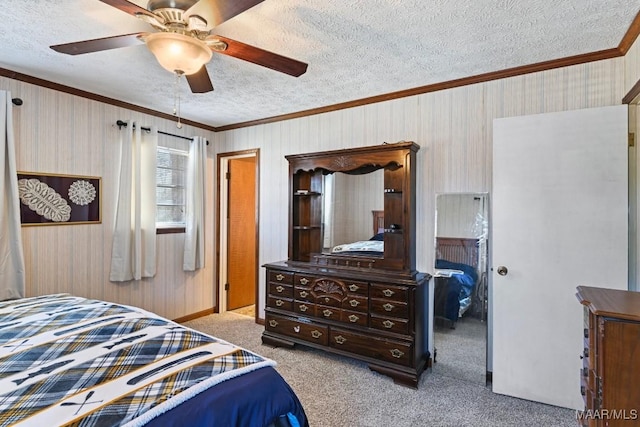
(350, 286)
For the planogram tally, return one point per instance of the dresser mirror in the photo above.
(353, 213)
(348, 197)
(460, 292)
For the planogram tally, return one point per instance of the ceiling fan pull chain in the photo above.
(176, 99)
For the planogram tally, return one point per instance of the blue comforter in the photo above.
(459, 286)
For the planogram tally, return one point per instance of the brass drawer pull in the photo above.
(316, 334)
(303, 308)
(304, 294)
(279, 303)
(388, 307)
(340, 339)
(279, 289)
(279, 277)
(353, 318)
(388, 292)
(354, 303)
(304, 280)
(396, 353)
(388, 324)
(327, 313)
(353, 287)
(296, 329)
(273, 323)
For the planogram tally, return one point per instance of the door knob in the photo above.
(502, 270)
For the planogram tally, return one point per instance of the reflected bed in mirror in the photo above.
(350, 204)
(461, 256)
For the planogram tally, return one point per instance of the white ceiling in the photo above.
(355, 49)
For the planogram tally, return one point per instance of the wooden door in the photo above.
(241, 266)
(559, 210)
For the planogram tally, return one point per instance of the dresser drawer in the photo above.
(377, 348)
(280, 303)
(304, 308)
(357, 288)
(390, 308)
(280, 290)
(294, 328)
(328, 291)
(354, 317)
(302, 294)
(328, 312)
(400, 326)
(280, 277)
(304, 280)
(356, 303)
(390, 292)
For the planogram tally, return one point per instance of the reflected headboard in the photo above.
(378, 222)
(457, 249)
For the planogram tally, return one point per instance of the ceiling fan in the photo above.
(184, 42)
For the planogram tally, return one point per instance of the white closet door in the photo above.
(559, 210)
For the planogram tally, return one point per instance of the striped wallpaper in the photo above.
(61, 133)
(65, 134)
(453, 128)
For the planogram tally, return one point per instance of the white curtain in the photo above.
(12, 271)
(133, 255)
(195, 205)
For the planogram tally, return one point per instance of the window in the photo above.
(170, 188)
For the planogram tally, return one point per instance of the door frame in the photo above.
(222, 163)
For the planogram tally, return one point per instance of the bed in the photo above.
(458, 284)
(372, 247)
(67, 360)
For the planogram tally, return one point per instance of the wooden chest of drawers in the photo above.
(375, 317)
(610, 373)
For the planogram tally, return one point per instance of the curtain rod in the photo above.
(120, 123)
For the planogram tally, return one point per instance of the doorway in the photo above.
(460, 286)
(238, 213)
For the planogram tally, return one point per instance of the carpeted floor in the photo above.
(461, 352)
(338, 391)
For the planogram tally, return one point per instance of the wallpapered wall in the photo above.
(453, 128)
(61, 133)
(64, 134)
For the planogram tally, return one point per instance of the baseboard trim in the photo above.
(194, 316)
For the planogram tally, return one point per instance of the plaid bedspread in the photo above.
(66, 360)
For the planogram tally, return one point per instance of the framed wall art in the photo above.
(53, 199)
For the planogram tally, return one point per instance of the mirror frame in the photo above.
(398, 161)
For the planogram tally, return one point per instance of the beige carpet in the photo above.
(339, 391)
(461, 352)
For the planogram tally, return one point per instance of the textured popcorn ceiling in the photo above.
(355, 49)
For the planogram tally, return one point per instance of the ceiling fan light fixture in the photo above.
(178, 53)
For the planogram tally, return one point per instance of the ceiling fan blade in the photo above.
(96, 45)
(200, 81)
(215, 12)
(262, 57)
(128, 7)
